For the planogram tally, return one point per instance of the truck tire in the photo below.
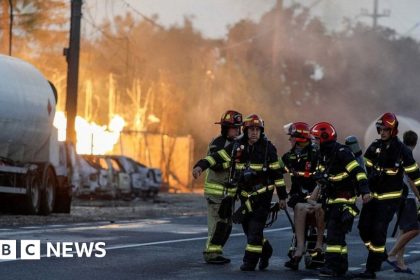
(49, 189)
(32, 199)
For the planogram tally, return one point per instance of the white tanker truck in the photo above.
(33, 165)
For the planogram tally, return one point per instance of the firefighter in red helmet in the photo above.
(338, 169)
(386, 159)
(300, 162)
(219, 195)
(257, 172)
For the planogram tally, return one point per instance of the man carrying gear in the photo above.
(257, 172)
(301, 162)
(217, 190)
(339, 171)
(386, 160)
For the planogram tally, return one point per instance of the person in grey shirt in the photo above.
(409, 224)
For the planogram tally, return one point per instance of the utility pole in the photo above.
(10, 27)
(375, 15)
(72, 57)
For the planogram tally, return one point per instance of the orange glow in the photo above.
(91, 137)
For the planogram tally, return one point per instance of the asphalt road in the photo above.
(168, 248)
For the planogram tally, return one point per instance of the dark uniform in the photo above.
(345, 179)
(301, 164)
(215, 189)
(260, 173)
(386, 161)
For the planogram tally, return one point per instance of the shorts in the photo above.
(408, 218)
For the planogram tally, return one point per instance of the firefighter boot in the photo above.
(267, 252)
(247, 266)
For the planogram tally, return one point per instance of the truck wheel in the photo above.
(49, 183)
(32, 200)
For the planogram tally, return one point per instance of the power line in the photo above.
(142, 15)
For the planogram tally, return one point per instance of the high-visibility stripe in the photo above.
(361, 176)
(224, 155)
(274, 165)
(280, 183)
(333, 249)
(211, 160)
(368, 162)
(344, 250)
(380, 249)
(341, 200)
(226, 165)
(388, 171)
(411, 168)
(240, 166)
(417, 182)
(253, 248)
(351, 210)
(218, 189)
(367, 244)
(213, 248)
(255, 166)
(321, 168)
(352, 165)
(389, 195)
(338, 177)
(248, 205)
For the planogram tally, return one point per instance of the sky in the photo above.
(212, 17)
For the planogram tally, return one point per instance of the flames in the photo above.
(91, 137)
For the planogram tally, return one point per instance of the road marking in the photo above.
(354, 268)
(183, 240)
(414, 252)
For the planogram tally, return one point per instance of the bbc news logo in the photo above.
(31, 249)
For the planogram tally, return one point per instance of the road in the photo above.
(167, 248)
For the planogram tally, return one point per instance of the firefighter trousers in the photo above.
(373, 226)
(218, 229)
(336, 255)
(257, 246)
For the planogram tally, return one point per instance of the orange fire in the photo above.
(91, 137)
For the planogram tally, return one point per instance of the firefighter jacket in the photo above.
(256, 167)
(301, 165)
(216, 183)
(386, 161)
(345, 178)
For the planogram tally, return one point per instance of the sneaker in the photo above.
(218, 260)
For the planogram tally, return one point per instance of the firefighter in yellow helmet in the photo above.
(219, 195)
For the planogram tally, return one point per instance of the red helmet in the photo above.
(253, 120)
(324, 131)
(388, 120)
(300, 131)
(231, 119)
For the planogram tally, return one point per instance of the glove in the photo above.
(347, 217)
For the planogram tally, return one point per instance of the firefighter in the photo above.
(257, 171)
(386, 160)
(300, 162)
(338, 171)
(216, 188)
